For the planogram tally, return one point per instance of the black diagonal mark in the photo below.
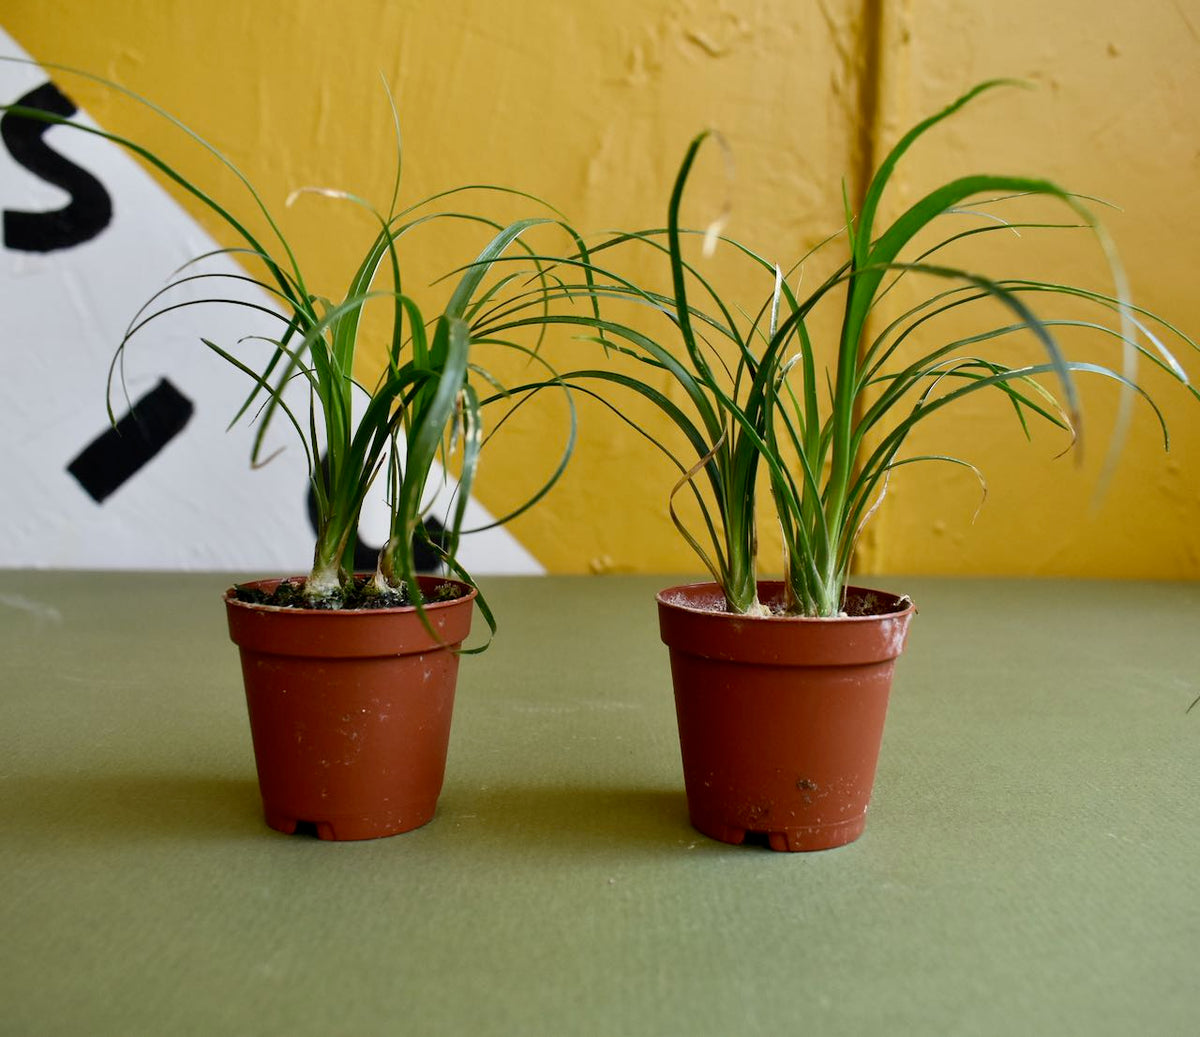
(113, 457)
(90, 209)
(426, 559)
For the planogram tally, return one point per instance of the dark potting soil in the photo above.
(858, 603)
(875, 603)
(360, 595)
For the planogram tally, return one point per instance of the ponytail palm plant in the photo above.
(423, 406)
(747, 393)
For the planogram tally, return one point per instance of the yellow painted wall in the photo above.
(591, 106)
(1116, 116)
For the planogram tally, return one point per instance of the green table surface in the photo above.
(1031, 864)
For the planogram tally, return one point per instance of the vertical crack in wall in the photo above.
(868, 78)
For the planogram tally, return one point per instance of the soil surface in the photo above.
(362, 594)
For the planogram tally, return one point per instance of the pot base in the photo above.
(788, 840)
(346, 828)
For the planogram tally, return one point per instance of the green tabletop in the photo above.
(1031, 864)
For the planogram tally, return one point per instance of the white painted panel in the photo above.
(197, 504)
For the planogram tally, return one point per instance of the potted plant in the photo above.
(781, 686)
(350, 678)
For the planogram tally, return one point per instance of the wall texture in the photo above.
(1114, 116)
(591, 106)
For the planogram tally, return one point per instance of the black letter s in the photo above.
(90, 209)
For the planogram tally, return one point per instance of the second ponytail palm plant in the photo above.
(747, 391)
(350, 679)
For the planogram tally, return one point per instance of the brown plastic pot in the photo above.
(350, 710)
(780, 718)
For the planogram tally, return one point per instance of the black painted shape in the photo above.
(117, 455)
(90, 209)
(426, 558)
(366, 557)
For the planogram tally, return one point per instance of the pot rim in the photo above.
(677, 598)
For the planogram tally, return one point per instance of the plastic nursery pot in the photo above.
(781, 718)
(350, 710)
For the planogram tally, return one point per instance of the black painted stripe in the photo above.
(114, 457)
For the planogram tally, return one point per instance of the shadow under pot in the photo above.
(350, 710)
(781, 717)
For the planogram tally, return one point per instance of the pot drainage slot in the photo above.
(760, 839)
(307, 828)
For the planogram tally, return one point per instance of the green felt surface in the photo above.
(1031, 863)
